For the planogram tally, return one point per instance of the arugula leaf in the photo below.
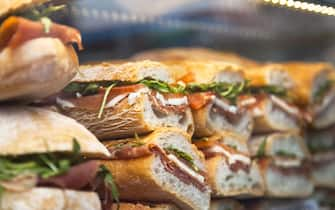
(161, 86)
(269, 89)
(42, 165)
(109, 182)
(261, 149)
(104, 100)
(183, 155)
(323, 90)
(284, 153)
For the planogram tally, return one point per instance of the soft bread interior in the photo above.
(229, 76)
(234, 140)
(277, 76)
(28, 130)
(324, 175)
(288, 185)
(218, 122)
(36, 69)
(50, 198)
(183, 121)
(326, 116)
(240, 183)
(277, 119)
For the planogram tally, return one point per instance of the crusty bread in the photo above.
(225, 182)
(41, 198)
(269, 74)
(324, 175)
(291, 143)
(285, 185)
(205, 71)
(27, 130)
(127, 72)
(207, 122)
(127, 118)
(268, 117)
(226, 204)
(36, 69)
(146, 178)
(195, 54)
(9, 6)
(144, 206)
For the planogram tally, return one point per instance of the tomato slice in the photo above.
(199, 100)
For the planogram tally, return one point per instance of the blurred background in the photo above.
(274, 30)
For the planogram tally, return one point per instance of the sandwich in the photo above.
(7, 6)
(283, 159)
(162, 167)
(36, 57)
(315, 90)
(47, 162)
(321, 144)
(212, 89)
(231, 172)
(268, 99)
(194, 54)
(226, 204)
(117, 101)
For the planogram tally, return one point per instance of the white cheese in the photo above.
(186, 168)
(225, 106)
(171, 101)
(287, 163)
(64, 103)
(116, 100)
(232, 158)
(133, 96)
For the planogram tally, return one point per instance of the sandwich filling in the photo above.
(175, 161)
(234, 159)
(58, 170)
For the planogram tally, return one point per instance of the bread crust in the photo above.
(212, 168)
(28, 130)
(36, 69)
(122, 120)
(41, 198)
(127, 72)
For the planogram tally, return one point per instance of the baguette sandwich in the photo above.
(161, 167)
(231, 171)
(36, 58)
(212, 89)
(321, 144)
(116, 101)
(315, 90)
(284, 163)
(42, 164)
(268, 99)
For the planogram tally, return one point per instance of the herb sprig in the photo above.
(110, 184)
(183, 155)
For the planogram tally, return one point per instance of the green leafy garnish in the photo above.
(261, 149)
(268, 89)
(42, 165)
(323, 90)
(109, 182)
(183, 155)
(161, 86)
(104, 100)
(284, 153)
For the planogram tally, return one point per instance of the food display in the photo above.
(164, 129)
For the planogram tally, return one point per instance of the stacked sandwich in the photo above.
(146, 124)
(47, 160)
(316, 93)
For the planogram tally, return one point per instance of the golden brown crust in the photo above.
(27, 130)
(304, 75)
(131, 71)
(196, 54)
